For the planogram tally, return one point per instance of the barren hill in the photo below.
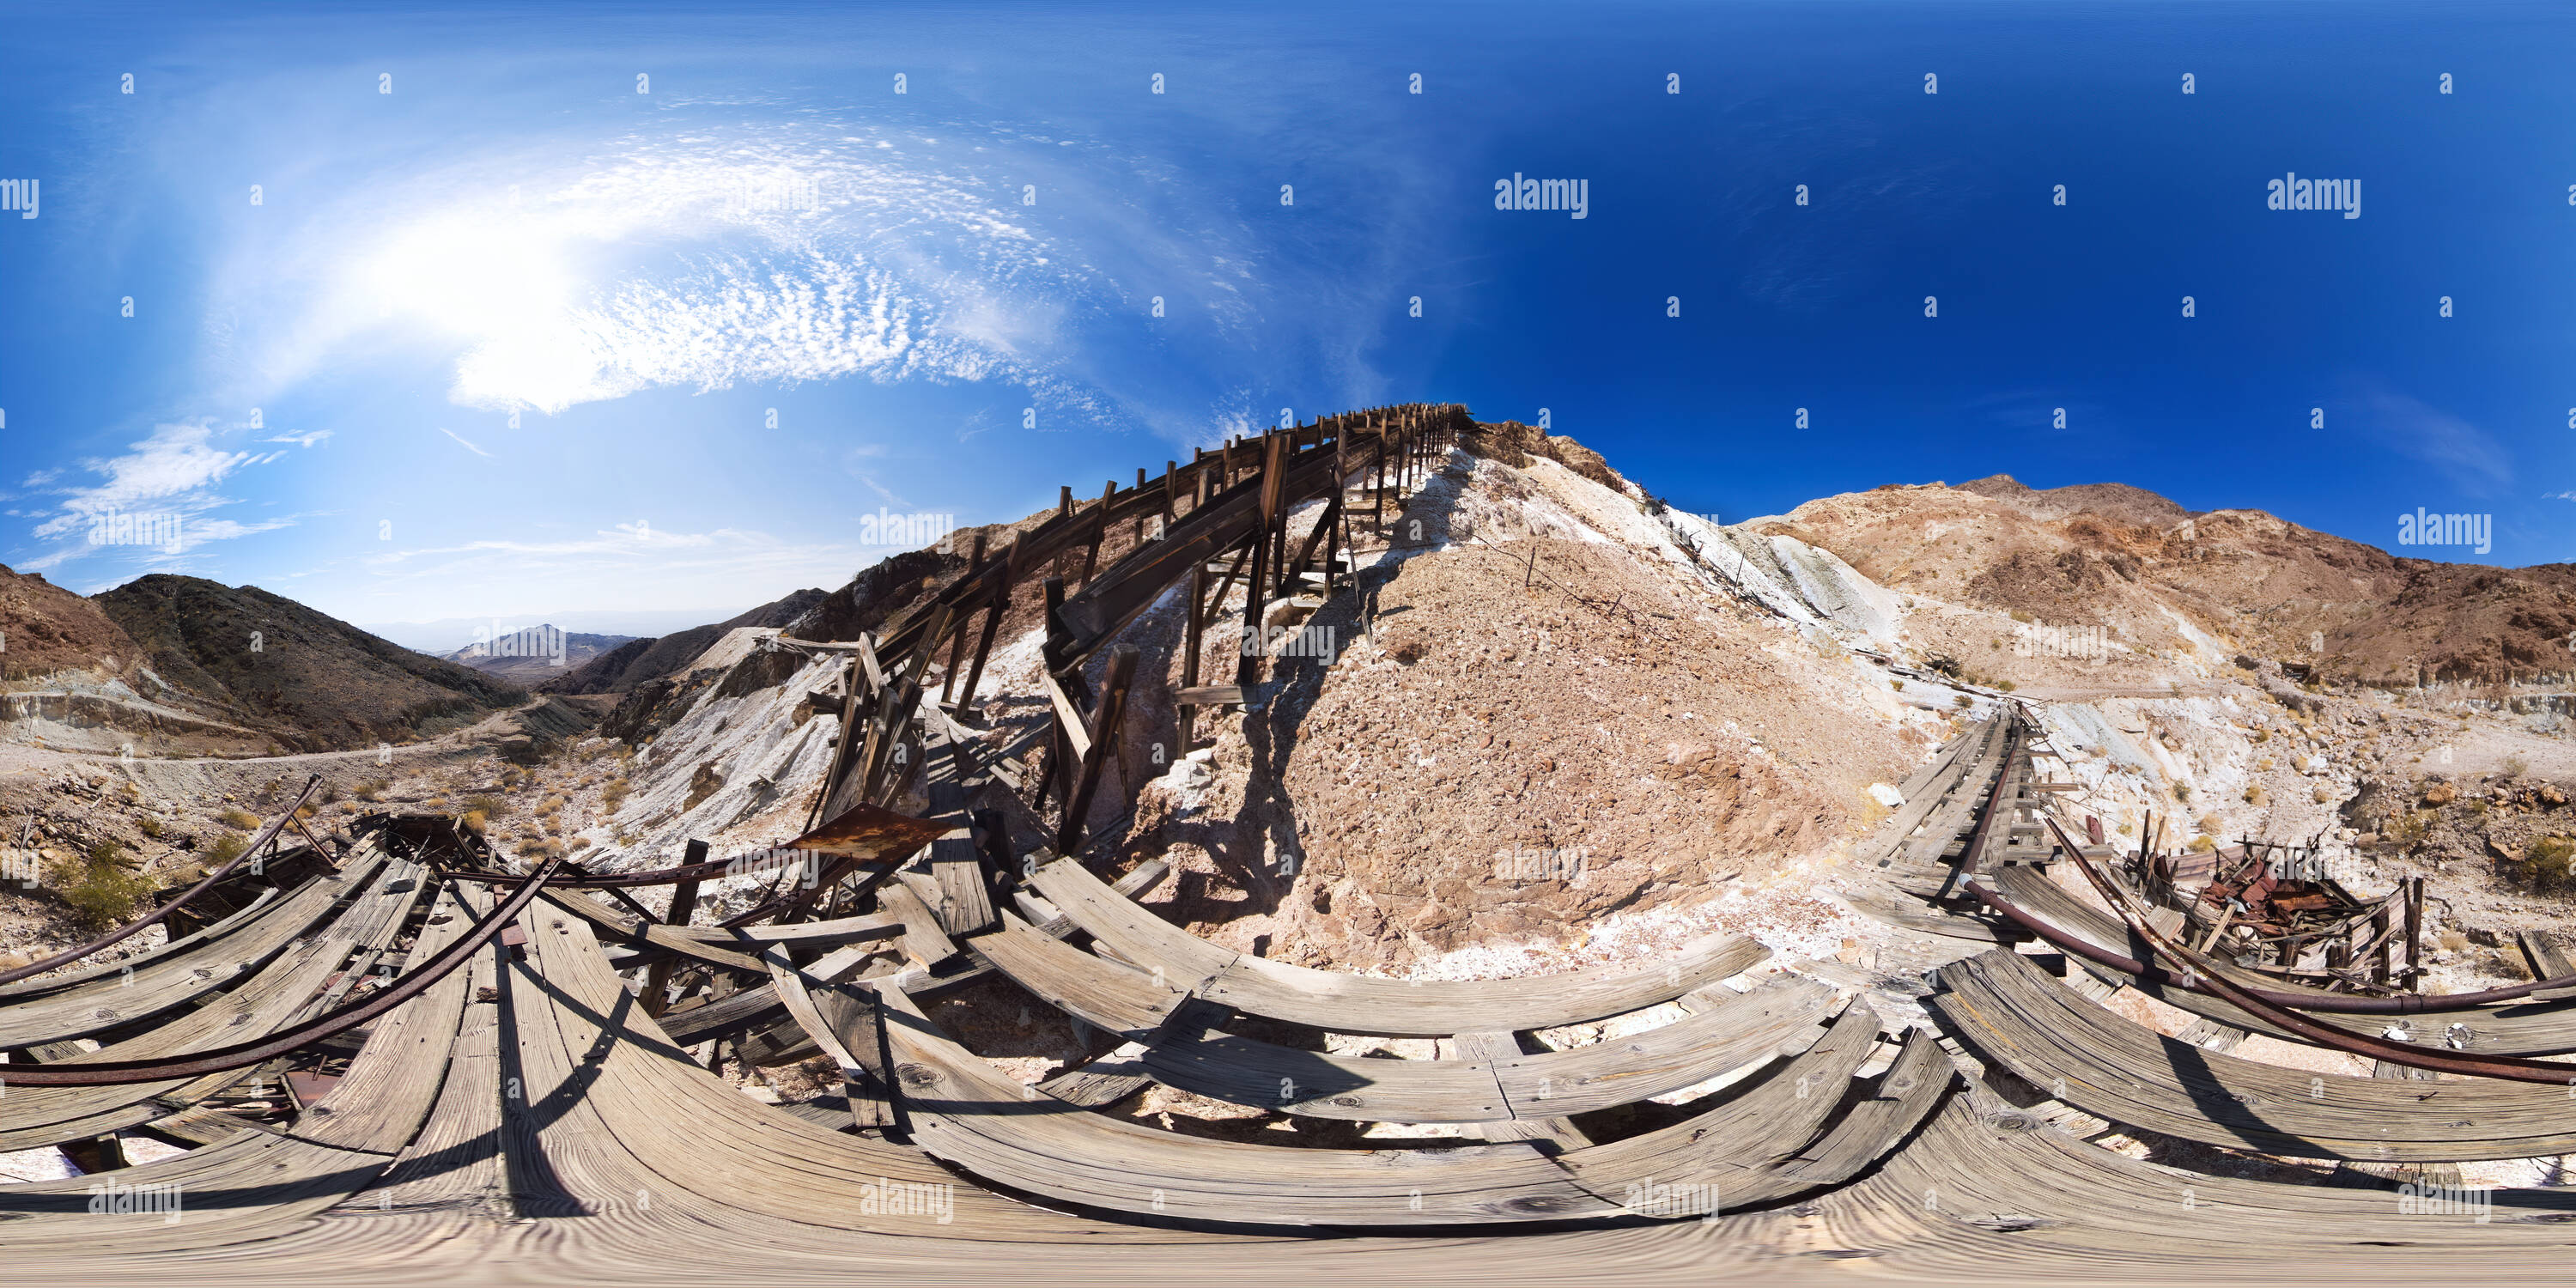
(629, 663)
(45, 629)
(317, 683)
(2194, 588)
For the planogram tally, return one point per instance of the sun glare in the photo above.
(475, 275)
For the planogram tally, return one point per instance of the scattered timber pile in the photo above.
(419, 1051)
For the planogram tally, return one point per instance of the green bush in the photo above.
(226, 848)
(2550, 857)
(243, 819)
(99, 887)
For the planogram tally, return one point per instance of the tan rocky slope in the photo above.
(2191, 588)
(45, 629)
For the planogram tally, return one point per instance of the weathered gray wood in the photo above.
(1362, 1004)
(2012, 1013)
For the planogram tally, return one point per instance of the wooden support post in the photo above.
(957, 651)
(992, 623)
(1059, 744)
(684, 905)
(2383, 951)
(1380, 490)
(2415, 934)
(844, 747)
(1099, 533)
(1306, 549)
(1255, 597)
(1190, 638)
(1104, 737)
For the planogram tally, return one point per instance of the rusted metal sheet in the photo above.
(867, 831)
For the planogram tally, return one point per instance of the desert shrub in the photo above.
(2254, 794)
(2515, 765)
(2550, 859)
(580, 843)
(2005, 685)
(226, 848)
(2202, 845)
(243, 819)
(2410, 828)
(150, 827)
(2321, 795)
(371, 792)
(2182, 791)
(99, 887)
(615, 793)
(2020, 616)
(488, 806)
(475, 821)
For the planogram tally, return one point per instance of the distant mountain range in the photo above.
(534, 654)
(444, 636)
(622, 668)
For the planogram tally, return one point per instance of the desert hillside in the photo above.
(313, 681)
(2193, 589)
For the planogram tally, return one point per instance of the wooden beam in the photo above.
(1104, 732)
(1067, 714)
(965, 895)
(957, 651)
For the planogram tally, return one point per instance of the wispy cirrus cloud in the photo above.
(2469, 458)
(168, 479)
(461, 441)
(628, 562)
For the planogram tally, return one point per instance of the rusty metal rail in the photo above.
(112, 938)
(2198, 970)
(240, 1055)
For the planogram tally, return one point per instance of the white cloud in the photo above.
(173, 466)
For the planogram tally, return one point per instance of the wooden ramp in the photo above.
(2082, 1054)
(1363, 1004)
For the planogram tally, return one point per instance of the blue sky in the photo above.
(906, 280)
